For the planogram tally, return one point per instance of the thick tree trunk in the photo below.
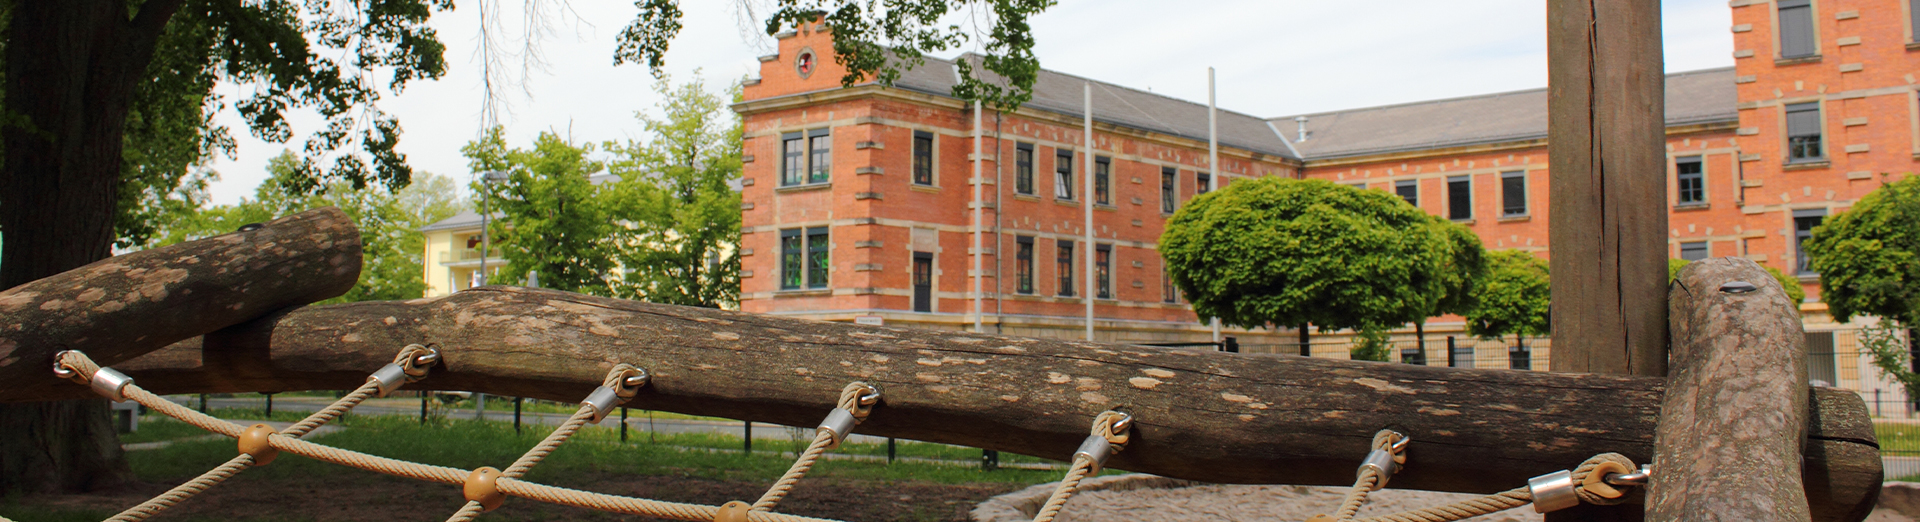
(71, 70)
(1734, 420)
(1420, 338)
(1306, 350)
(1202, 415)
(121, 307)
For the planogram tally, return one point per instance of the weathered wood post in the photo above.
(1607, 214)
(1734, 418)
(124, 306)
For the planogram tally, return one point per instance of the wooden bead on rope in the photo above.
(735, 511)
(482, 486)
(253, 442)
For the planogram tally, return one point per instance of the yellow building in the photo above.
(453, 254)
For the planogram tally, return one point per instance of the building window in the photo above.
(1064, 265)
(1169, 179)
(1203, 183)
(1023, 168)
(1023, 266)
(1460, 198)
(1691, 180)
(805, 157)
(1168, 292)
(1803, 223)
(1796, 29)
(1063, 174)
(1913, 20)
(922, 158)
(819, 160)
(792, 244)
(793, 159)
(1103, 270)
(1694, 251)
(1408, 189)
(1513, 193)
(1803, 133)
(1102, 181)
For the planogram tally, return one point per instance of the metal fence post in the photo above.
(516, 420)
(203, 403)
(889, 450)
(989, 460)
(269, 406)
(423, 406)
(748, 438)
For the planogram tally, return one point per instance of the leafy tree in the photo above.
(1463, 264)
(393, 251)
(1371, 344)
(555, 221)
(1869, 261)
(1790, 283)
(1514, 298)
(1304, 252)
(681, 244)
(75, 69)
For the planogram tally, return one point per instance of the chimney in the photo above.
(1302, 120)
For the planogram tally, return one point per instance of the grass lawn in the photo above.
(296, 488)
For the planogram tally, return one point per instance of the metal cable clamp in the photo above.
(841, 421)
(1386, 462)
(604, 399)
(391, 376)
(105, 381)
(1096, 448)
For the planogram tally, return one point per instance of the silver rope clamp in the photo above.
(603, 399)
(389, 377)
(1384, 461)
(839, 424)
(1553, 492)
(111, 384)
(1097, 450)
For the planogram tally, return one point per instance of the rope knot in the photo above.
(859, 398)
(74, 366)
(626, 380)
(415, 360)
(1590, 479)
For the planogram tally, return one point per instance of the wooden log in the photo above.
(1734, 420)
(125, 306)
(1202, 415)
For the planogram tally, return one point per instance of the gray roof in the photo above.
(1062, 93)
(1703, 96)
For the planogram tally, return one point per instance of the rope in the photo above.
(1464, 509)
(241, 462)
(1367, 478)
(1082, 465)
(546, 446)
(850, 401)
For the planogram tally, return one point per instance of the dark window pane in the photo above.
(1169, 179)
(817, 260)
(1694, 251)
(1408, 190)
(793, 160)
(1203, 182)
(1102, 172)
(922, 158)
(1023, 169)
(1804, 222)
(1023, 266)
(1103, 271)
(791, 274)
(1168, 293)
(1796, 31)
(1803, 132)
(1460, 198)
(1691, 181)
(1513, 194)
(1913, 22)
(1063, 175)
(819, 161)
(1064, 265)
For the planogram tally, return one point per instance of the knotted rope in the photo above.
(1110, 427)
(1589, 484)
(616, 380)
(851, 401)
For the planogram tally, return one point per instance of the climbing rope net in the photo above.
(1608, 478)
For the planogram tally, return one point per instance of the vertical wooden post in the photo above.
(1608, 226)
(1608, 219)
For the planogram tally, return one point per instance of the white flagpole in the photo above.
(1086, 202)
(979, 305)
(1213, 161)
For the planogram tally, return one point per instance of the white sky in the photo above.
(1274, 58)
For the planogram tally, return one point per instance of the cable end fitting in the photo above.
(839, 423)
(111, 384)
(603, 400)
(1553, 492)
(1096, 450)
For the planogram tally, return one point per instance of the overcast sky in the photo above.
(1274, 58)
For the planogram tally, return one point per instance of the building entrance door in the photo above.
(922, 282)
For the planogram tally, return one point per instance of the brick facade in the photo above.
(878, 220)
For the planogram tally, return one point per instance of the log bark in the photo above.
(122, 307)
(1734, 420)
(1202, 415)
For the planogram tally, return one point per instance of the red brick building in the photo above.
(859, 202)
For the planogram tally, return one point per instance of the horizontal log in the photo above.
(1201, 415)
(125, 306)
(1734, 420)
